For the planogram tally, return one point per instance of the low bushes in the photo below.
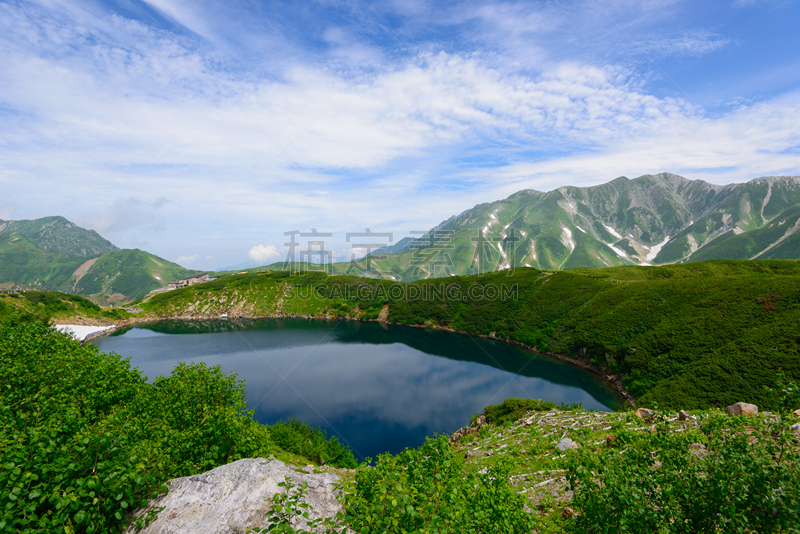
(428, 490)
(313, 443)
(84, 439)
(733, 475)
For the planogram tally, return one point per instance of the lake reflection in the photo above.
(378, 388)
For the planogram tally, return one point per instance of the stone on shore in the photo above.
(742, 408)
(235, 497)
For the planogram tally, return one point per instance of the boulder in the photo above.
(797, 412)
(683, 416)
(233, 498)
(611, 441)
(796, 429)
(566, 444)
(644, 413)
(480, 421)
(742, 408)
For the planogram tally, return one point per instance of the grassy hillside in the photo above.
(53, 253)
(683, 336)
(57, 234)
(24, 262)
(57, 306)
(133, 273)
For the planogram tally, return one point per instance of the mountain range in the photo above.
(54, 253)
(649, 220)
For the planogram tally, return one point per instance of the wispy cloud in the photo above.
(389, 116)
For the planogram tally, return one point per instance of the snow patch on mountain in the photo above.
(612, 232)
(654, 250)
(619, 252)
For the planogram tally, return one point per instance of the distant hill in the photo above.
(53, 253)
(57, 234)
(653, 219)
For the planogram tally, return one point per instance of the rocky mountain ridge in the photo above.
(652, 219)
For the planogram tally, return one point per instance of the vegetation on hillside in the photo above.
(57, 234)
(56, 306)
(616, 472)
(681, 336)
(54, 254)
(23, 262)
(133, 273)
(429, 489)
(85, 440)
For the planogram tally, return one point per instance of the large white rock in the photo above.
(234, 497)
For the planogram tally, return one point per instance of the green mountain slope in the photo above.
(57, 234)
(33, 253)
(24, 262)
(653, 219)
(778, 239)
(132, 273)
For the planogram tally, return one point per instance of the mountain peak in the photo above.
(57, 234)
(652, 219)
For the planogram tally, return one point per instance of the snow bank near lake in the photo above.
(79, 331)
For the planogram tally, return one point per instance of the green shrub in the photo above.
(428, 490)
(84, 439)
(313, 443)
(741, 480)
(512, 409)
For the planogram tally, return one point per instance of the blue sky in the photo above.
(202, 130)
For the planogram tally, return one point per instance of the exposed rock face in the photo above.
(742, 408)
(234, 497)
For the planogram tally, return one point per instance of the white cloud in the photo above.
(188, 260)
(393, 138)
(263, 253)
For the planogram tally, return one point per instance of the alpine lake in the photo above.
(378, 388)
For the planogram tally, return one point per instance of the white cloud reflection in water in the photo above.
(378, 389)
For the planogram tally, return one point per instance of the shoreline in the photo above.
(614, 380)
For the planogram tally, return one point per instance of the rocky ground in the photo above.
(539, 443)
(236, 497)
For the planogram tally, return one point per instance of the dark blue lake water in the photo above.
(379, 388)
